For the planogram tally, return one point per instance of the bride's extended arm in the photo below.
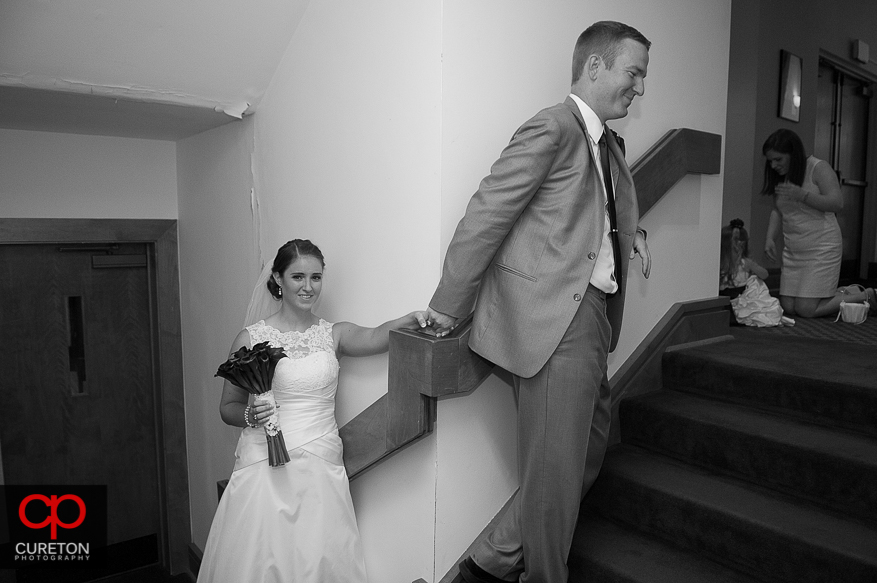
(353, 340)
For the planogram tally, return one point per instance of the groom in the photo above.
(544, 247)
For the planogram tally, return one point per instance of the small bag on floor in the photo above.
(853, 312)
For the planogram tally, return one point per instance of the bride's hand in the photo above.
(261, 411)
(418, 320)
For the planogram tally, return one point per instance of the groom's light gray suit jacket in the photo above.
(523, 253)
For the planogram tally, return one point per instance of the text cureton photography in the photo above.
(52, 551)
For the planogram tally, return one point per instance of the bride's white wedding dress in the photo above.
(293, 523)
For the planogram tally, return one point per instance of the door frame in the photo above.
(868, 264)
(160, 235)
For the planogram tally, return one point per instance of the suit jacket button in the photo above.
(577, 297)
(591, 255)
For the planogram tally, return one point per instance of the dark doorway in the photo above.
(91, 312)
(842, 129)
(79, 376)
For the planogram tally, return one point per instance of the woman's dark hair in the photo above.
(727, 262)
(785, 142)
(287, 255)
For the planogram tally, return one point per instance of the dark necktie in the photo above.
(610, 199)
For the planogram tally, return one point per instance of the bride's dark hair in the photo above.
(287, 255)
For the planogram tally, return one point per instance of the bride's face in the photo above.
(302, 282)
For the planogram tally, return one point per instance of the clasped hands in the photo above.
(790, 191)
(439, 324)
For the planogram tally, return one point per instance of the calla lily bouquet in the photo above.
(252, 369)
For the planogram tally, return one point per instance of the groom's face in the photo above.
(617, 86)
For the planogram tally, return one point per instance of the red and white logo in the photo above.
(52, 503)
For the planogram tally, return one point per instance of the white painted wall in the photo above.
(347, 154)
(51, 175)
(217, 270)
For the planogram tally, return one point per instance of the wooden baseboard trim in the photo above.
(195, 556)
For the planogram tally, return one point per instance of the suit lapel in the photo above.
(593, 175)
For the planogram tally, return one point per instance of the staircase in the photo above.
(756, 462)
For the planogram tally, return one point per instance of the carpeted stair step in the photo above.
(794, 376)
(610, 553)
(831, 467)
(767, 535)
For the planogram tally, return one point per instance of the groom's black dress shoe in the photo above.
(472, 573)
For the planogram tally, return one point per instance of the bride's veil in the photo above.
(262, 303)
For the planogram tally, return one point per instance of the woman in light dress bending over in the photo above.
(295, 522)
(806, 197)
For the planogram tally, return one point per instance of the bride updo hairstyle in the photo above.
(287, 255)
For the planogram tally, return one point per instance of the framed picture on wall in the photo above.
(790, 86)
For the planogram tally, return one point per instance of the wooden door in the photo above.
(78, 391)
(852, 161)
(843, 105)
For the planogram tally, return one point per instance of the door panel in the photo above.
(842, 139)
(852, 157)
(72, 424)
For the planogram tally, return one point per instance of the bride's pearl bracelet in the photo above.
(247, 417)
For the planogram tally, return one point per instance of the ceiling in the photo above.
(162, 69)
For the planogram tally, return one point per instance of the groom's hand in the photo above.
(442, 324)
(641, 248)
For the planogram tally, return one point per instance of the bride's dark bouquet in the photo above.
(252, 369)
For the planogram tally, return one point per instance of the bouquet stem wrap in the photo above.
(277, 454)
(252, 369)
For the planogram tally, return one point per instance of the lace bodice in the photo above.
(304, 386)
(311, 366)
(296, 344)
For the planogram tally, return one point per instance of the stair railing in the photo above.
(424, 368)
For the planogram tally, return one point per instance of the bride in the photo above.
(293, 522)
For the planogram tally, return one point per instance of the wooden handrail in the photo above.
(679, 152)
(424, 368)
